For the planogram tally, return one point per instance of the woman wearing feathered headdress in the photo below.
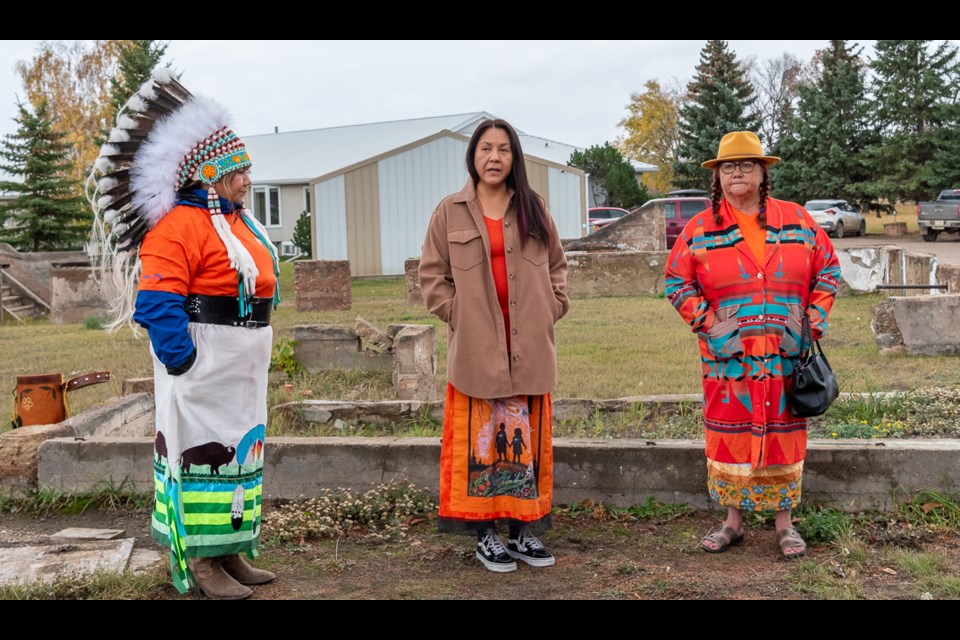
(167, 193)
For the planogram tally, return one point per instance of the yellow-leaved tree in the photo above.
(652, 133)
(74, 81)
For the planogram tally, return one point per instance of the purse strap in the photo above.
(86, 380)
(806, 337)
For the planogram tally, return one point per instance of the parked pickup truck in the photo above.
(943, 214)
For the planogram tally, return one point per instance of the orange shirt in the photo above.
(183, 254)
(498, 263)
(753, 234)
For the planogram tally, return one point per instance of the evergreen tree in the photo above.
(719, 100)
(612, 175)
(46, 215)
(302, 234)
(914, 92)
(825, 139)
(135, 63)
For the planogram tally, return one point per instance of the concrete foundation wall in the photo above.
(331, 347)
(949, 274)
(76, 296)
(33, 269)
(847, 475)
(619, 273)
(918, 325)
(643, 229)
(867, 268)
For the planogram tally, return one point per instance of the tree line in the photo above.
(73, 94)
(876, 130)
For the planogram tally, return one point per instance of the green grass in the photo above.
(905, 213)
(932, 509)
(106, 496)
(607, 348)
(100, 585)
(821, 582)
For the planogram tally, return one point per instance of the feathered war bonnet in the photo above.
(165, 137)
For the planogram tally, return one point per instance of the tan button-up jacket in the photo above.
(456, 280)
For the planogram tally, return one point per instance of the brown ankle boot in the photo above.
(243, 573)
(214, 581)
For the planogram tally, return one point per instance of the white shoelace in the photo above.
(493, 543)
(529, 541)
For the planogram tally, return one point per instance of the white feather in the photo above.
(109, 216)
(103, 165)
(119, 135)
(106, 183)
(164, 75)
(154, 176)
(108, 150)
(104, 201)
(136, 103)
(147, 91)
(126, 122)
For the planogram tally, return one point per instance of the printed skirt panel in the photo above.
(773, 488)
(496, 461)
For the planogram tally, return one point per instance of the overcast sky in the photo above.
(571, 91)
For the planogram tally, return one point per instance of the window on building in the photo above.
(266, 205)
(306, 199)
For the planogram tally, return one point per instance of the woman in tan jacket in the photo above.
(493, 269)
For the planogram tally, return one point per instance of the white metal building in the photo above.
(371, 188)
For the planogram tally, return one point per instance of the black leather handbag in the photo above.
(814, 385)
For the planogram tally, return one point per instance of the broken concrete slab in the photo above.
(48, 563)
(84, 533)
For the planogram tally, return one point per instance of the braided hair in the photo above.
(717, 195)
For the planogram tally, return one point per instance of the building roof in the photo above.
(300, 156)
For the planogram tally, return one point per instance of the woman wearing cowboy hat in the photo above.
(743, 274)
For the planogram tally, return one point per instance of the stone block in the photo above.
(373, 335)
(918, 325)
(18, 454)
(411, 273)
(415, 363)
(949, 274)
(323, 285)
(895, 229)
(137, 385)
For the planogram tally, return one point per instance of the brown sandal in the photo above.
(791, 538)
(724, 537)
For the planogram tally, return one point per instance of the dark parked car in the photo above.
(677, 210)
(837, 217)
(599, 217)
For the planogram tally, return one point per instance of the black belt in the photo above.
(226, 310)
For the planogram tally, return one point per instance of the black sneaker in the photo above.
(526, 547)
(492, 553)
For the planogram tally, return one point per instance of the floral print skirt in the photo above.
(772, 488)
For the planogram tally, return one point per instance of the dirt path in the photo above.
(597, 559)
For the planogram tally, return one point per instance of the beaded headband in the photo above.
(214, 157)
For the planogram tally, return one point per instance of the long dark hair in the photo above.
(531, 214)
(764, 192)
